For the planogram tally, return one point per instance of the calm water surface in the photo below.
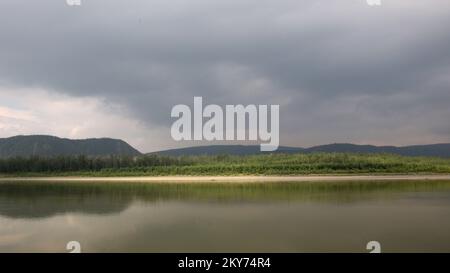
(411, 216)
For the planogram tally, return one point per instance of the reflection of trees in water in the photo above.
(45, 199)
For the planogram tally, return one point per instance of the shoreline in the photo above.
(231, 179)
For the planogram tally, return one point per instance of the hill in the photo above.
(46, 146)
(435, 150)
(223, 149)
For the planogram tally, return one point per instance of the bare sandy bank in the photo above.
(235, 179)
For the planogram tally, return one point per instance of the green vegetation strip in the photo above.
(224, 165)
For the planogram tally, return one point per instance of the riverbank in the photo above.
(236, 179)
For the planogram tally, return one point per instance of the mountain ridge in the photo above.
(433, 150)
(46, 145)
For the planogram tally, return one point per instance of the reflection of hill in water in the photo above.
(45, 199)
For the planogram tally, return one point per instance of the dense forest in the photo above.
(266, 164)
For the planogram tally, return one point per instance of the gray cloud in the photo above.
(341, 70)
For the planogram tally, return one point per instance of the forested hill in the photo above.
(41, 145)
(434, 150)
(47, 146)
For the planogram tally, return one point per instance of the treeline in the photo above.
(264, 164)
(59, 164)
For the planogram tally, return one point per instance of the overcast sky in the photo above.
(341, 71)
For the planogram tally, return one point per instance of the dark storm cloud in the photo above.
(341, 70)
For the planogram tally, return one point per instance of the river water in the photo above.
(403, 216)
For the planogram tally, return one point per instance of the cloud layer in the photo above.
(342, 71)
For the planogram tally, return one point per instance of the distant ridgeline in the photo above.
(48, 146)
(434, 150)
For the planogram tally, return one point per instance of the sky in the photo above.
(341, 70)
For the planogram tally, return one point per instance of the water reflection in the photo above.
(228, 217)
(46, 199)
